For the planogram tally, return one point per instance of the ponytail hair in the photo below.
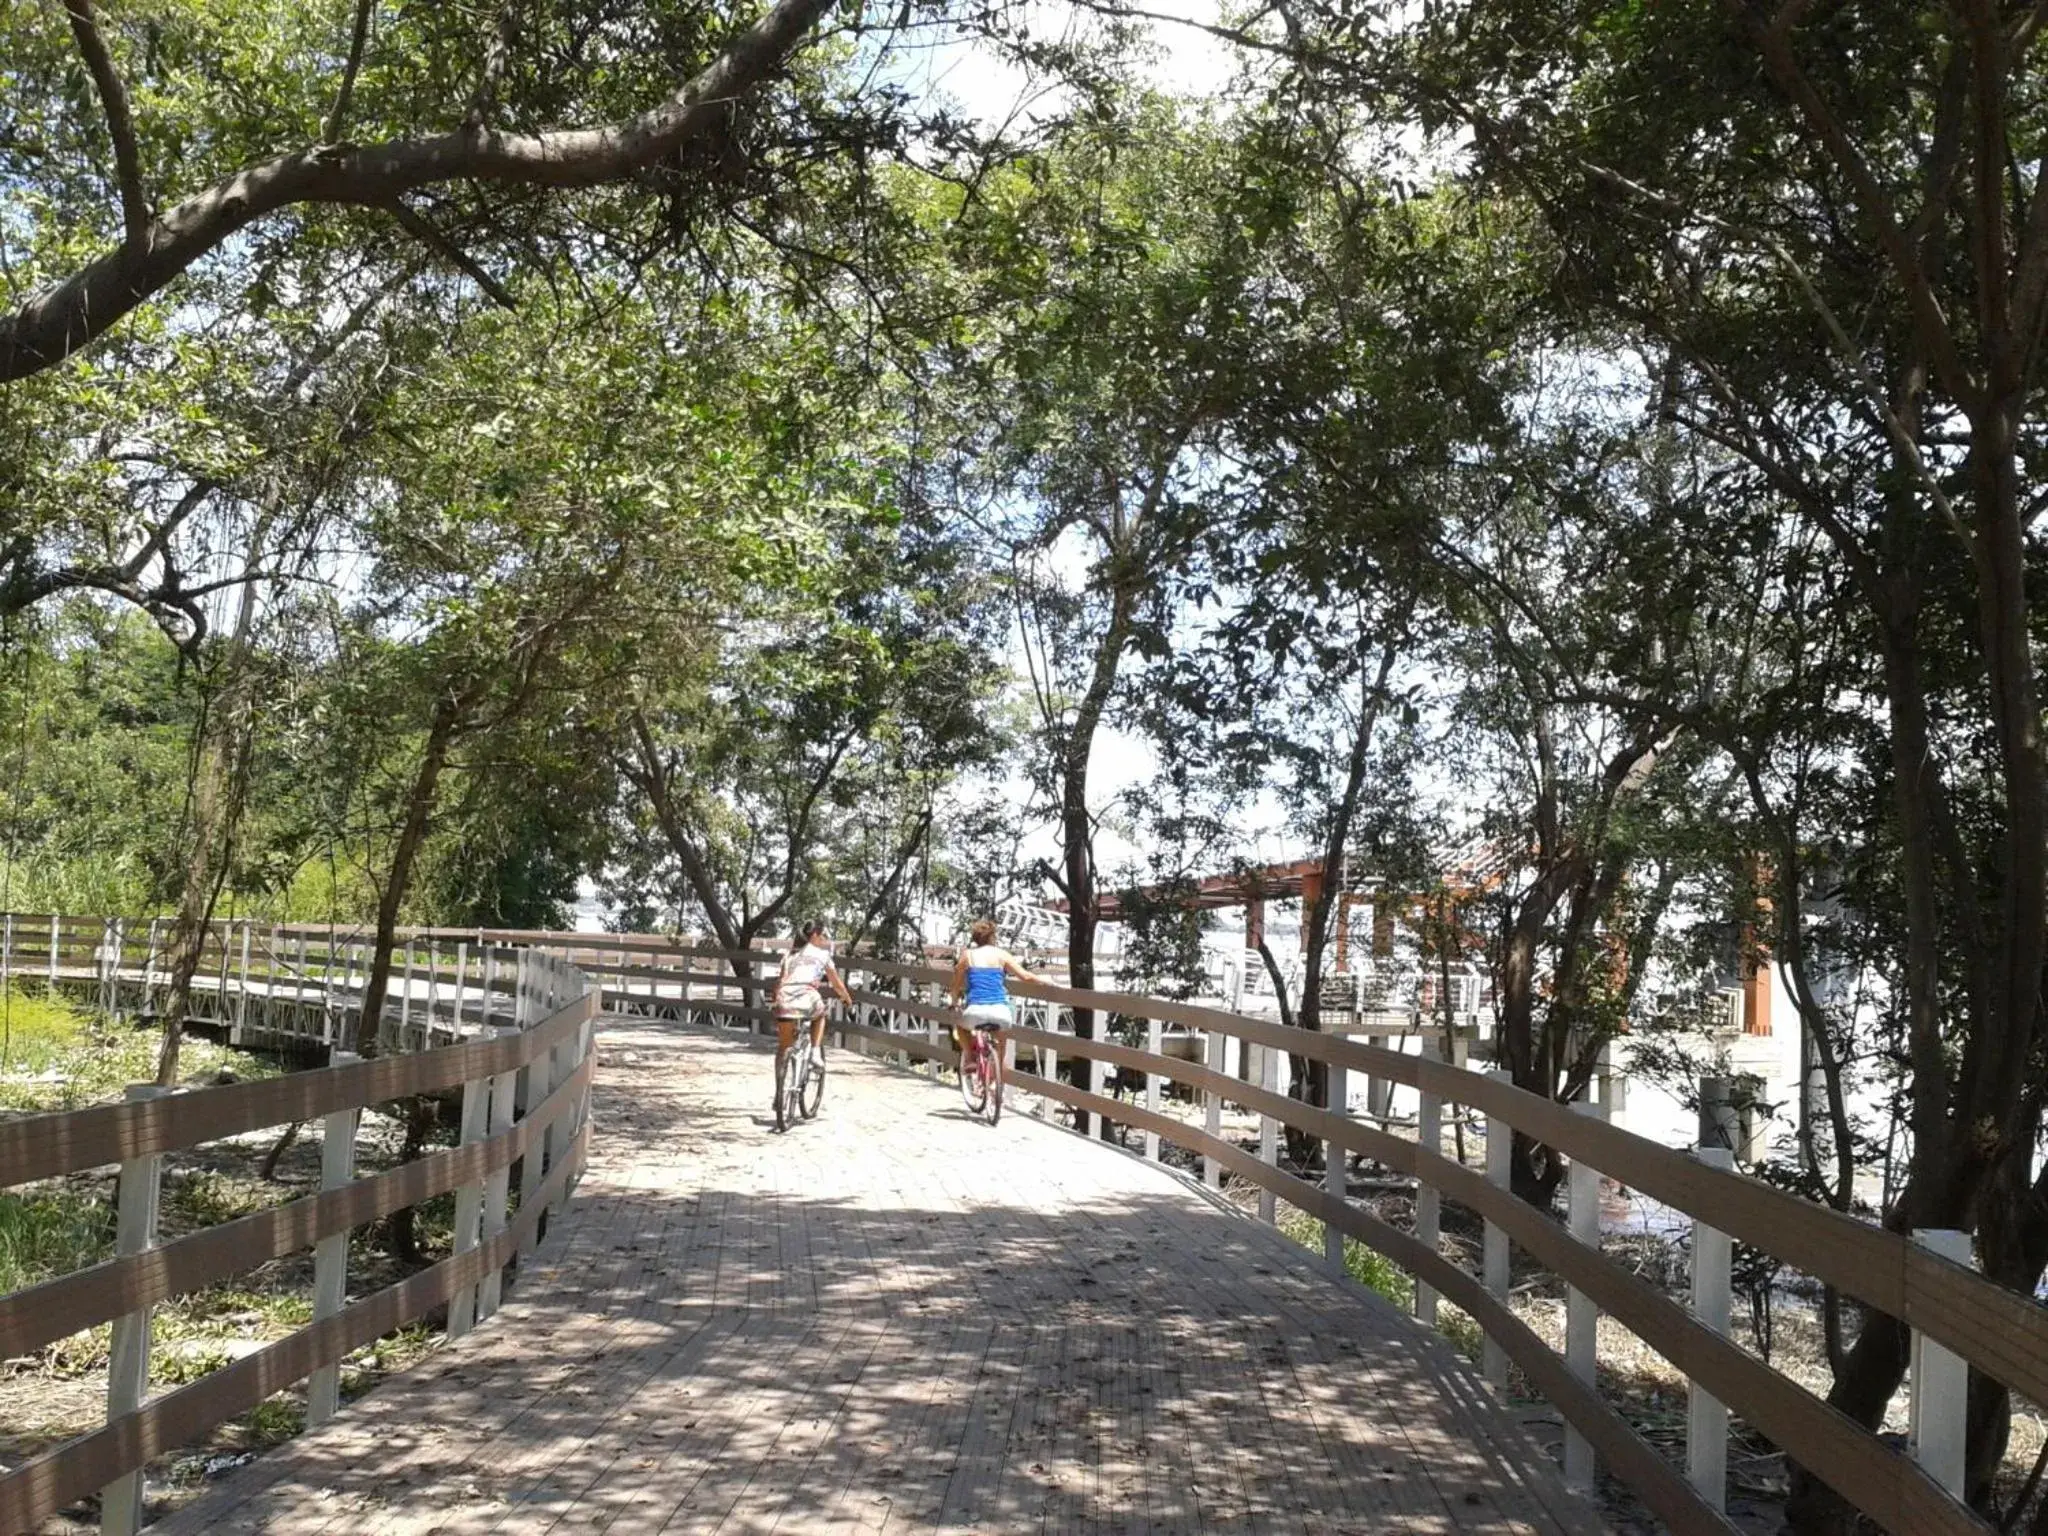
(983, 931)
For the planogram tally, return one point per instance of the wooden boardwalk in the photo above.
(896, 1318)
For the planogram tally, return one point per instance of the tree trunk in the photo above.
(1959, 1176)
(1311, 1078)
(420, 1113)
(448, 717)
(878, 916)
(219, 788)
(1077, 828)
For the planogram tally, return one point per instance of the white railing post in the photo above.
(1049, 1069)
(227, 961)
(579, 1050)
(586, 1102)
(1212, 1108)
(405, 1002)
(469, 1202)
(106, 962)
(1270, 1062)
(540, 1082)
(1500, 1163)
(7, 956)
(148, 961)
(1152, 1088)
(1938, 1418)
(1706, 1418)
(136, 1196)
(1581, 1316)
(497, 1187)
(1429, 1202)
(330, 1254)
(56, 943)
(1335, 1184)
(241, 998)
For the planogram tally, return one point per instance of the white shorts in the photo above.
(988, 1015)
(799, 1001)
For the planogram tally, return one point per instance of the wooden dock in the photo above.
(897, 1318)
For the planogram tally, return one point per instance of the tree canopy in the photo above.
(1575, 466)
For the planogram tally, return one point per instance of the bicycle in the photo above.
(981, 1073)
(803, 1080)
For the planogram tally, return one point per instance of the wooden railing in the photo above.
(1960, 1320)
(522, 1021)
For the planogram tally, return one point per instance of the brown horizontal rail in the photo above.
(1852, 1461)
(909, 1005)
(44, 1146)
(40, 1487)
(1668, 1495)
(2000, 1332)
(57, 1308)
(910, 1045)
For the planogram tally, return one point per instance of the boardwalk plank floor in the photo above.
(893, 1319)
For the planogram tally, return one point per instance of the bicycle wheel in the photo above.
(795, 1065)
(995, 1092)
(973, 1085)
(811, 1091)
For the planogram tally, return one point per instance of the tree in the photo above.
(379, 87)
(1732, 185)
(1123, 284)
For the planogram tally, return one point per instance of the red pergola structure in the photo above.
(1250, 888)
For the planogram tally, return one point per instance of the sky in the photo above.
(978, 80)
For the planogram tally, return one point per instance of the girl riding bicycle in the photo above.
(980, 984)
(800, 1001)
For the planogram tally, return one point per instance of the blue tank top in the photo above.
(985, 985)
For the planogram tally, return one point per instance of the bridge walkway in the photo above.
(896, 1318)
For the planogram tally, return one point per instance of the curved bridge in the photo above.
(895, 1317)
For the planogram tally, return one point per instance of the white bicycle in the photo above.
(803, 1081)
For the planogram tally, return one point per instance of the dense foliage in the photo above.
(1578, 463)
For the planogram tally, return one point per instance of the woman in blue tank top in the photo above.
(981, 982)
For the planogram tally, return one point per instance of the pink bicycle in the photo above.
(981, 1072)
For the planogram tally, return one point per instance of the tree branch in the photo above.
(63, 317)
(1782, 65)
(85, 27)
(421, 229)
(495, 63)
(337, 117)
(1903, 442)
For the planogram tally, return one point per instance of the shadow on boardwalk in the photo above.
(896, 1318)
